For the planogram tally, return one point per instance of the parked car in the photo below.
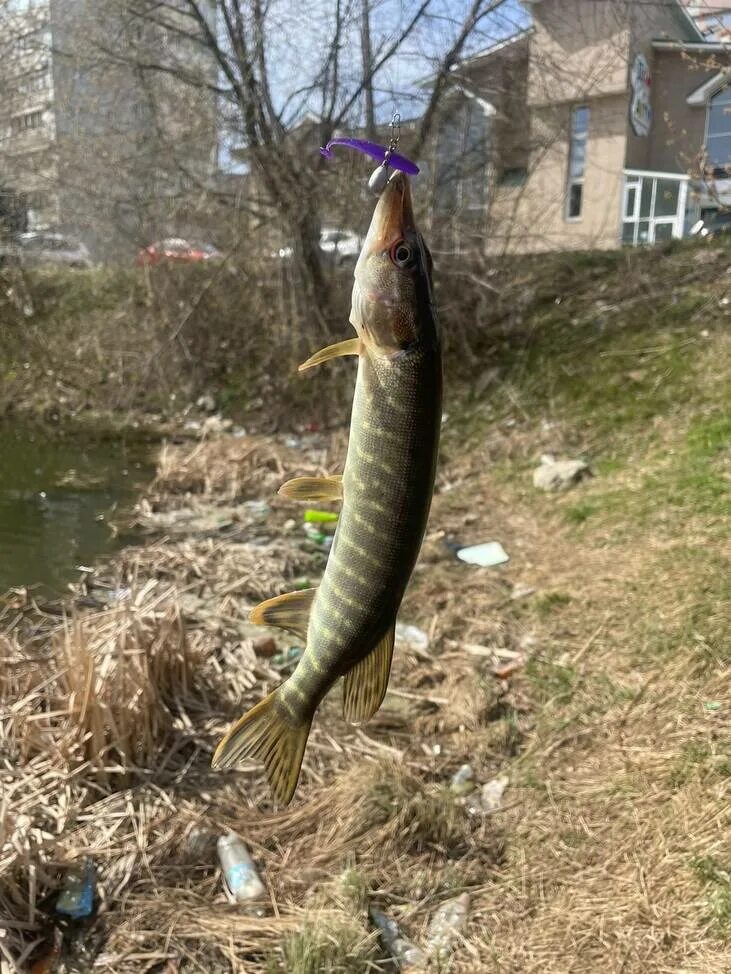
(711, 223)
(179, 251)
(339, 247)
(40, 247)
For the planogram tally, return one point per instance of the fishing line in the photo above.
(379, 177)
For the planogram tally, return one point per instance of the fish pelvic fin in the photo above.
(313, 488)
(352, 346)
(269, 733)
(290, 612)
(366, 683)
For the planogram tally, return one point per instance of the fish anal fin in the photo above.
(313, 488)
(366, 683)
(266, 732)
(352, 346)
(290, 612)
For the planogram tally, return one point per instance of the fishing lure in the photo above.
(386, 155)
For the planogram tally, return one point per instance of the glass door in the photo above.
(653, 207)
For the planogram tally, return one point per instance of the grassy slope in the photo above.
(613, 847)
(618, 848)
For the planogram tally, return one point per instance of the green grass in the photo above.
(581, 512)
(717, 880)
(333, 949)
(551, 681)
(549, 602)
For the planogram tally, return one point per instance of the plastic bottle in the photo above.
(239, 871)
(404, 952)
(76, 899)
(445, 924)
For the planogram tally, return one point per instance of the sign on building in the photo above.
(640, 110)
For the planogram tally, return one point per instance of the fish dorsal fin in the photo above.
(290, 611)
(352, 346)
(313, 488)
(367, 682)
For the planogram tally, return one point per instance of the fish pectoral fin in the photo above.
(313, 488)
(290, 612)
(266, 733)
(353, 346)
(367, 682)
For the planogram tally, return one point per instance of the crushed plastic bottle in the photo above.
(404, 952)
(411, 637)
(239, 872)
(492, 793)
(463, 780)
(76, 899)
(258, 509)
(445, 925)
(288, 658)
(316, 535)
(320, 517)
(486, 555)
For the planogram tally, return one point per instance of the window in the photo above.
(577, 162)
(22, 123)
(514, 176)
(718, 130)
(38, 200)
(37, 81)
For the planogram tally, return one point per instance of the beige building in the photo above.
(27, 122)
(606, 122)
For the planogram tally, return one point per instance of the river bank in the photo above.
(588, 676)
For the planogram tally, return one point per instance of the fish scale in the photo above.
(348, 622)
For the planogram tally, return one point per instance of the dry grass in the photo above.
(618, 790)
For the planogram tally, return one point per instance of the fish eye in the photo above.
(401, 254)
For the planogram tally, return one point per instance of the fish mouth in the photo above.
(394, 214)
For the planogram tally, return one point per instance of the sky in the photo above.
(300, 34)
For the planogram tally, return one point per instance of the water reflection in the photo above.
(55, 498)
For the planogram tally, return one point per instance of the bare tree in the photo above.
(277, 65)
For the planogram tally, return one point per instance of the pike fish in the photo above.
(348, 622)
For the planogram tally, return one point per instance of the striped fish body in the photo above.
(387, 488)
(348, 622)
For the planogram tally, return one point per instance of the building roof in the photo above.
(682, 8)
(709, 46)
(499, 46)
(708, 89)
(482, 55)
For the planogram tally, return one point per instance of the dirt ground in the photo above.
(591, 671)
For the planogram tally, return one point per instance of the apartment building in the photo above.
(27, 121)
(606, 122)
(100, 147)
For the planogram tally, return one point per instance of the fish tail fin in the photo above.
(268, 733)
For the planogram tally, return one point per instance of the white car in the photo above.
(339, 247)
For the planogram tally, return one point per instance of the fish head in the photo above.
(392, 308)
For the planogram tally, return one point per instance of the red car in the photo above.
(177, 250)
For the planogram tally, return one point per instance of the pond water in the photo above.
(57, 496)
